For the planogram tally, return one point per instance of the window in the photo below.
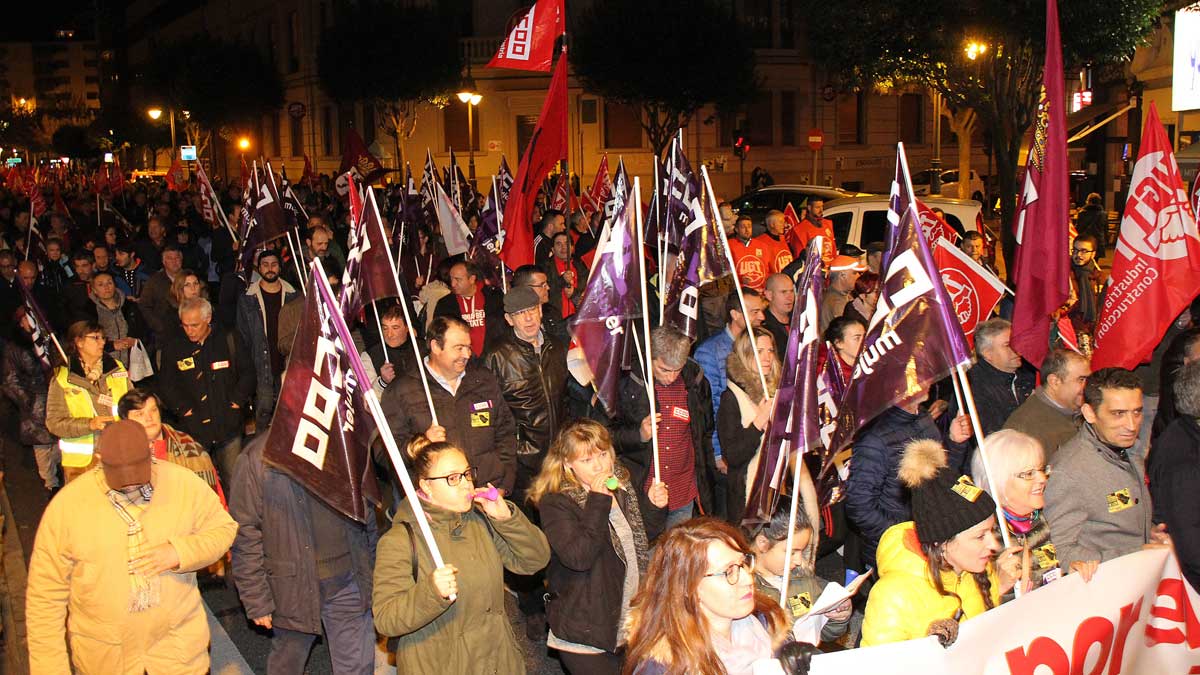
(345, 119)
(293, 42)
(525, 127)
(454, 124)
(874, 227)
(757, 20)
(759, 122)
(327, 130)
(622, 126)
(787, 24)
(851, 120)
(912, 119)
(841, 226)
(297, 136)
(787, 117)
(273, 134)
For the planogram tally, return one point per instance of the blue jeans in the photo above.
(349, 630)
(679, 515)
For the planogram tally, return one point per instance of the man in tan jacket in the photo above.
(113, 565)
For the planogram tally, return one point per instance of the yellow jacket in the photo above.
(904, 601)
(73, 401)
(78, 588)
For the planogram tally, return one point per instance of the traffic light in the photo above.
(740, 147)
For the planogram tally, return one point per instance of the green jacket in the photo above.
(472, 635)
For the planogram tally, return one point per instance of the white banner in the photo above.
(1137, 615)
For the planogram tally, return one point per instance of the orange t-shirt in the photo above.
(749, 263)
(776, 253)
(799, 236)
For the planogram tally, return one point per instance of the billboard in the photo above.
(1185, 77)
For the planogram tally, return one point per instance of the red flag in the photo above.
(116, 178)
(1156, 266)
(1066, 334)
(974, 291)
(176, 177)
(546, 148)
(560, 198)
(37, 202)
(358, 159)
(601, 190)
(59, 205)
(307, 178)
(790, 218)
(934, 226)
(1042, 266)
(530, 44)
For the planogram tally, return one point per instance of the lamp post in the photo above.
(156, 113)
(472, 98)
(935, 164)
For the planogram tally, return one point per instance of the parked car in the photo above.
(758, 203)
(975, 186)
(862, 220)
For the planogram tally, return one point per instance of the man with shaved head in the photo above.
(781, 297)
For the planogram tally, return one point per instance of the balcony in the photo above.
(479, 49)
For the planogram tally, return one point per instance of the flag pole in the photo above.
(412, 334)
(979, 439)
(957, 393)
(791, 533)
(379, 327)
(641, 251)
(295, 260)
(737, 282)
(385, 434)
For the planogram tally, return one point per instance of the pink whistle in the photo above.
(489, 493)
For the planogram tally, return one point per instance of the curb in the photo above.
(12, 591)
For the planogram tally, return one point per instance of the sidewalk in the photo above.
(12, 590)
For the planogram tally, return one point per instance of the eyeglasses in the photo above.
(1045, 470)
(453, 479)
(1081, 251)
(97, 338)
(733, 573)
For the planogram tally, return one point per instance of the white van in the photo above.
(862, 220)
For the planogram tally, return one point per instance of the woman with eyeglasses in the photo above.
(600, 527)
(1021, 472)
(83, 396)
(698, 611)
(451, 619)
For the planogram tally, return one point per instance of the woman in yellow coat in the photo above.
(939, 568)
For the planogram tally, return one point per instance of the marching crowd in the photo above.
(151, 432)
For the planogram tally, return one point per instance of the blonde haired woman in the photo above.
(599, 526)
(744, 411)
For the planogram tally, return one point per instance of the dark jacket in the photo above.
(535, 386)
(134, 277)
(875, 498)
(207, 379)
(477, 419)
(739, 445)
(633, 407)
(252, 326)
(1093, 220)
(77, 299)
(778, 330)
(274, 567)
(1175, 488)
(493, 306)
(24, 380)
(558, 284)
(997, 393)
(586, 575)
(158, 309)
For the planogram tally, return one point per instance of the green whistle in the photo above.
(612, 483)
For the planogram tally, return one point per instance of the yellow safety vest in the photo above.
(77, 452)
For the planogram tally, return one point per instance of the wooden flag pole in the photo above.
(412, 334)
(979, 439)
(737, 283)
(647, 360)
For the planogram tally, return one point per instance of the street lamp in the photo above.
(155, 114)
(243, 144)
(975, 49)
(472, 98)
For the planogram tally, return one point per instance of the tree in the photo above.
(861, 43)
(667, 58)
(360, 58)
(212, 84)
(72, 140)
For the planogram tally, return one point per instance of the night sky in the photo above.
(26, 20)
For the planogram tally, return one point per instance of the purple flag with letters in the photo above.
(914, 338)
(795, 424)
(370, 272)
(612, 300)
(321, 432)
(485, 246)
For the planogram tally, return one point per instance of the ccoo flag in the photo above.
(370, 273)
(610, 303)
(795, 424)
(321, 432)
(702, 258)
(530, 43)
(1156, 266)
(914, 338)
(1042, 268)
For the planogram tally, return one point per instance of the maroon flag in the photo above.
(560, 197)
(176, 177)
(605, 317)
(974, 291)
(210, 203)
(370, 271)
(601, 191)
(702, 259)
(35, 325)
(321, 432)
(357, 159)
(1043, 267)
(1156, 264)
(795, 423)
(546, 148)
(914, 338)
(530, 43)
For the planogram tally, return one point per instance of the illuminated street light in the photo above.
(154, 113)
(975, 49)
(472, 98)
(243, 144)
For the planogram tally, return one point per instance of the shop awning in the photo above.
(1092, 118)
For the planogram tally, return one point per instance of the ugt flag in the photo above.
(321, 432)
(974, 291)
(914, 338)
(1156, 267)
(795, 424)
(611, 301)
(530, 43)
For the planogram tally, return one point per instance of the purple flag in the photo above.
(795, 423)
(408, 214)
(485, 246)
(321, 432)
(611, 301)
(38, 329)
(370, 271)
(824, 460)
(428, 194)
(914, 338)
(702, 258)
